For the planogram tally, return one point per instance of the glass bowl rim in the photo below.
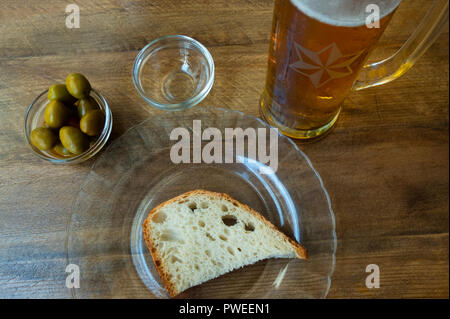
(89, 153)
(190, 102)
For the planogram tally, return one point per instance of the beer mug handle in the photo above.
(385, 71)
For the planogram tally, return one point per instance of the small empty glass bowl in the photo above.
(35, 118)
(173, 73)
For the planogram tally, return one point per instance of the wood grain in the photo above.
(385, 164)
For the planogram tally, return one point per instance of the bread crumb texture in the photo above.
(201, 235)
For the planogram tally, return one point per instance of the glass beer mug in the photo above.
(317, 54)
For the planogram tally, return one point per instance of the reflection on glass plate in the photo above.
(135, 173)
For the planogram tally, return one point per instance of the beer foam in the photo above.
(343, 13)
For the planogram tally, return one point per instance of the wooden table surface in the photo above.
(385, 165)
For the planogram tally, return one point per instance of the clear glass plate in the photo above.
(135, 173)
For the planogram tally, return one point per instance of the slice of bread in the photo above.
(201, 235)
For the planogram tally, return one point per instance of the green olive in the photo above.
(73, 139)
(85, 105)
(56, 114)
(77, 85)
(43, 138)
(61, 150)
(92, 122)
(59, 92)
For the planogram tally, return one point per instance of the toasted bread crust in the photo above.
(158, 261)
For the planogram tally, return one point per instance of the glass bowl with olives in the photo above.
(68, 123)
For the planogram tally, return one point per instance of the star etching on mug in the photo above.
(325, 65)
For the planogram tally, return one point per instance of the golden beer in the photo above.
(314, 58)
